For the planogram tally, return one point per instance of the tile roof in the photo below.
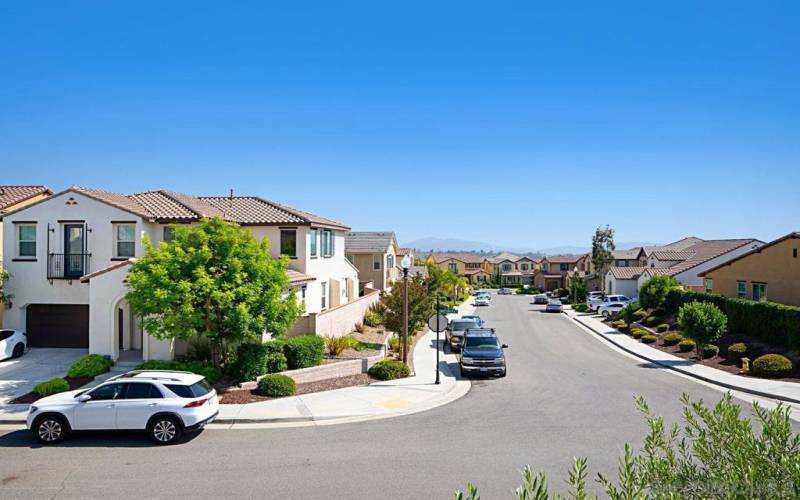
(504, 256)
(99, 272)
(298, 278)
(564, 259)
(462, 257)
(631, 254)
(368, 242)
(673, 255)
(11, 195)
(627, 273)
(792, 235)
(702, 252)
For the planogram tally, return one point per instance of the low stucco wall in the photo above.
(324, 372)
(337, 321)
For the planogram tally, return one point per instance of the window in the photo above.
(289, 242)
(327, 243)
(741, 289)
(141, 390)
(453, 267)
(106, 392)
(303, 295)
(389, 261)
(167, 233)
(376, 262)
(312, 236)
(506, 268)
(709, 285)
(563, 267)
(324, 295)
(26, 240)
(794, 253)
(760, 292)
(6, 334)
(125, 240)
(524, 267)
(195, 390)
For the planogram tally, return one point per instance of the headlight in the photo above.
(500, 360)
(33, 409)
(467, 360)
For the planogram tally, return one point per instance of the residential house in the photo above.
(769, 272)
(557, 269)
(635, 257)
(71, 254)
(684, 260)
(514, 270)
(375, 256)
(12, 198)
(471, 265)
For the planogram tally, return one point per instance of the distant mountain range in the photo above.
(456, 245)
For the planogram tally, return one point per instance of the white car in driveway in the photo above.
(610, 309)
(12, 344)
(608, 300)
(165, 404)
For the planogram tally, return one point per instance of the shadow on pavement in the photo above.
(667, 362)
(104, 439)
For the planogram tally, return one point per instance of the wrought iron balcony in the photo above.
(67, 266)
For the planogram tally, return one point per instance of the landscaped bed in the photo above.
(229, 395)
(74, 383)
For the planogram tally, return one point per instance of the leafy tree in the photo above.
(213, 280)
(5, 298)
(715, 454)
(602, 246)
(702, 322)
(653, 292)
(420, 305)
(577, 288)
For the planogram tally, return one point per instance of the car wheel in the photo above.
(18, 351)
(606, 314)
(50, 429)
(164, 430)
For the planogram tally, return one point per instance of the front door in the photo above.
(73, 250)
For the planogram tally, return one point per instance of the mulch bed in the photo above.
(74, 383)
(349, 354)
(252, 396)
(372, 335)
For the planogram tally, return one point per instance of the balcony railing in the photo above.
(67, 266)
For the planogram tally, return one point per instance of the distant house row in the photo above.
(507, 269)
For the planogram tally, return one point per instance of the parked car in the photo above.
(594, 295)
(447, 310)
(485, 294)
(474, 317)
(554, 305)
(481, 301)
(482, 353)
(505, 291)
(610, 299)
(454, 333)
(12, 344)
(165, 404)
(610, 309)
(540, 298)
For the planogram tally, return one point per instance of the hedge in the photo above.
(304, 351)
(277, 385)
(774, 323)
(772, 366)
(89, 365)
(52, 386)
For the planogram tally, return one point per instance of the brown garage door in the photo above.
(58, 325)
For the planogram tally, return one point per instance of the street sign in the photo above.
(442, 323)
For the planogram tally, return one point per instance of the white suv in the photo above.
(609, 300)
(164, 403)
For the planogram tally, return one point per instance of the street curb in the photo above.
(726, 385)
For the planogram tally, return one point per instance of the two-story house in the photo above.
(69, 256)
(375, 255)
(511, 269)
(556, 269)
(475, 267)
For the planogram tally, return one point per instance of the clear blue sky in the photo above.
(526, 124)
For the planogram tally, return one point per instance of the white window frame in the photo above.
(328, 243)
(18, 231)
(313, 243)
(376, 262)
(709, 285)
(324, 296)
(762, 297)
(117, 241)
(389, 261)
(741, 289)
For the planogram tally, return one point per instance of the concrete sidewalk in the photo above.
(770, 389)
(352, 404)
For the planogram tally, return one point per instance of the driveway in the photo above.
(18, 376)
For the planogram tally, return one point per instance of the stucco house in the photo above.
(71, 254)
(769, 272)
(474, 267)
(375, 256)
(556, 270)
(512, 269)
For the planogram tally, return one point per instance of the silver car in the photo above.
(554, 305)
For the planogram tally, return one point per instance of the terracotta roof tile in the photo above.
(466, 258)
(11, 195)
(371, 242)
(627, 273)
(564, 259)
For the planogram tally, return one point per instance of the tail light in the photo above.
(195, 404)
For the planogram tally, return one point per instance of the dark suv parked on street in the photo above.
(482, 353)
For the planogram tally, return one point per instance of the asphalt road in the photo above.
(566, 395)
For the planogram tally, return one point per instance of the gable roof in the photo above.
(792, 235)
(672, 255)
(466, 258)
(11, 195)
(703, 252)
(630, 254)
(168, 206)
(369, 242)
(564, 259)
(627, 273)
(504, 256)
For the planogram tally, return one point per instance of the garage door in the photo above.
(58, 325)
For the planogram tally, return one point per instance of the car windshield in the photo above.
(482, 343)
(463, 325)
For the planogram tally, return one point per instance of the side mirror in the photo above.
(84, 398)
(504, 346)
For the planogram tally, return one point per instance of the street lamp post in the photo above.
(572, 285)
(405, 264)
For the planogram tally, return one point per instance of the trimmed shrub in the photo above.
(652, 321)
(276, 362)
(653, 293)
(639, 315)
(737, 351)
(768, 321)
(251, 362)
(277, 385)
(639, 333)
(626, 312)
(620, 324)
(304, 351)
(581, 307)
(52, 386)
(207, 370)
(686, 345)
(648, 339)
(772, 366)
(389, 369)
(710, 350)
(372, 318)
(672, 338)
(663, 327)
(89, 365)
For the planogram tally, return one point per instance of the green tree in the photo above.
(653, 292)
(702, 322)
(5, 298)
(420, 306)
(213, 280)
(602, 246)
(577, 288)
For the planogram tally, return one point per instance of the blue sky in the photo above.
(524, 124)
